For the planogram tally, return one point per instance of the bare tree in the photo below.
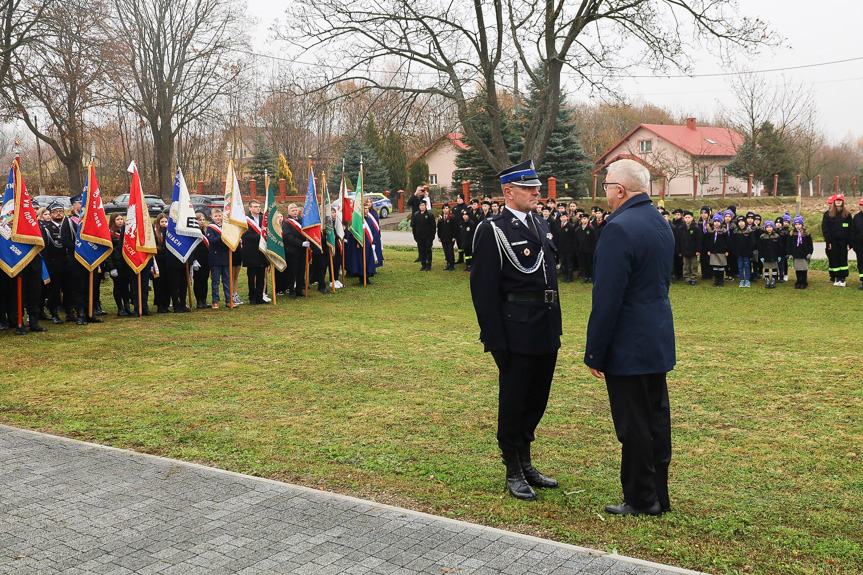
(18, 19)
(450, 49)
(56, 78)
(178, 59)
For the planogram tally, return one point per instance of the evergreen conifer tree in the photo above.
(264, 159)
(375, 176)
(395, 159)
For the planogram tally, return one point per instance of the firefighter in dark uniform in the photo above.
(78, 274)
(514, 288)
(56, 261)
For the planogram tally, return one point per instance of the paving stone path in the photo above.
(73, 507)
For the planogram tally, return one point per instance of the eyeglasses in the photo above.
(606, 184)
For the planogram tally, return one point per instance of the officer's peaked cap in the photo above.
(523, 174)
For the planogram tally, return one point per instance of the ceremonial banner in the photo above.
(275, 245)
(93, 239)
(357, 217)
(18, 244)
(311, 212)
(345, 201)
(234, 217)
(262, 243)
(329, 231)
(139, 243)
(183, 234)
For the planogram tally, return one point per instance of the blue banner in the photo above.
(14, 256)
(178, 243)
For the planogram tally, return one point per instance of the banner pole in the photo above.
(308, 252)
(189, 283)
(273, 281)
(20, 304)
(90, 299)
(332, 270)
(230, 279)
(342, 247)
(140, 306)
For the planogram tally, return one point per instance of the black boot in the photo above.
(516, 483)
(804, 279)
(97, 309)
(56, 317)
(20, 330)
(34, 325)
(533, 476)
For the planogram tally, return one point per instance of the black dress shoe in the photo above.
(532, 475)
(516, 483)
(146, 312)
(416, 261)
(184, 309)
(3, 326)
(81, 321)
(323, 290)
(163, 309)
(34, 326)
(627, 509)
(293, 295)
(56, 319)
(122, 312)
(20, 330)
(94, 319)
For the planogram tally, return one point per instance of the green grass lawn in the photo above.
(383, 392)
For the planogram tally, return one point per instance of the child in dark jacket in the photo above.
(716, 245)
(687, 241)
(743, 240)
(585, 241)
(768, 250)
(465, 239)
(783, 229)
(566, 246)
(218, 259)
(800, 248)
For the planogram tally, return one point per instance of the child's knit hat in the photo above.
(786, 217)
(769, 224)
(798, 220)
(717, 217)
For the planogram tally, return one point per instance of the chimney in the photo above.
(690, 123)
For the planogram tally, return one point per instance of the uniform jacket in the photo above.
(292, 238)
(768, 247)
(836, 229)
(687, 239)
(252, 254)
(566, 242)
(466, 230)
(585, 239)
(744, 242)
(857, 233)
(802, 250)
(218, 250)
(631, 328)
(531, 327)
(423, 225)
(447, 228)
(716, 243)
(54, 250)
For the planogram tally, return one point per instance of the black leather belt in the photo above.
(547, 296)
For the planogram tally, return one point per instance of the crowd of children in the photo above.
(721, 246)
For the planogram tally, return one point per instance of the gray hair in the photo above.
(633, 175)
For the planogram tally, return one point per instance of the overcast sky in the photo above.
(817, 32)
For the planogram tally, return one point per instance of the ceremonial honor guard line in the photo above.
(175, 251)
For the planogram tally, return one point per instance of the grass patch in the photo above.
(383, 392)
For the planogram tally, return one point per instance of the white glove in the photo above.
(196, 266)
(114, 273)
(306, 244)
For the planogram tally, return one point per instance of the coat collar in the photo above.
(521, 228)
(631, 202)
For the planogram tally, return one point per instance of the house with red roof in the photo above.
(440, 156)
(686, 160)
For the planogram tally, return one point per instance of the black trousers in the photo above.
(706, 270)
(257, 276)
(424, 247)
(678, 267)
(59, 288)
(567, 264)
(123, 290)
(296, 272)
(449, 252)
(146, 275)
(201, 284)
(522, 396)
(585, 264)
(177, 284)
(642, 421)
(838, 259)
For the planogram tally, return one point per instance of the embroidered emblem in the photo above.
(526, 252)
(549, 236)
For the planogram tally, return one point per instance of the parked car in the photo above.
(381, 203)
(45, 201)
(155, 205)
(204, 204)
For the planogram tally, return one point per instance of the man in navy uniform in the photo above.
(514, 288)
(630, 335)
